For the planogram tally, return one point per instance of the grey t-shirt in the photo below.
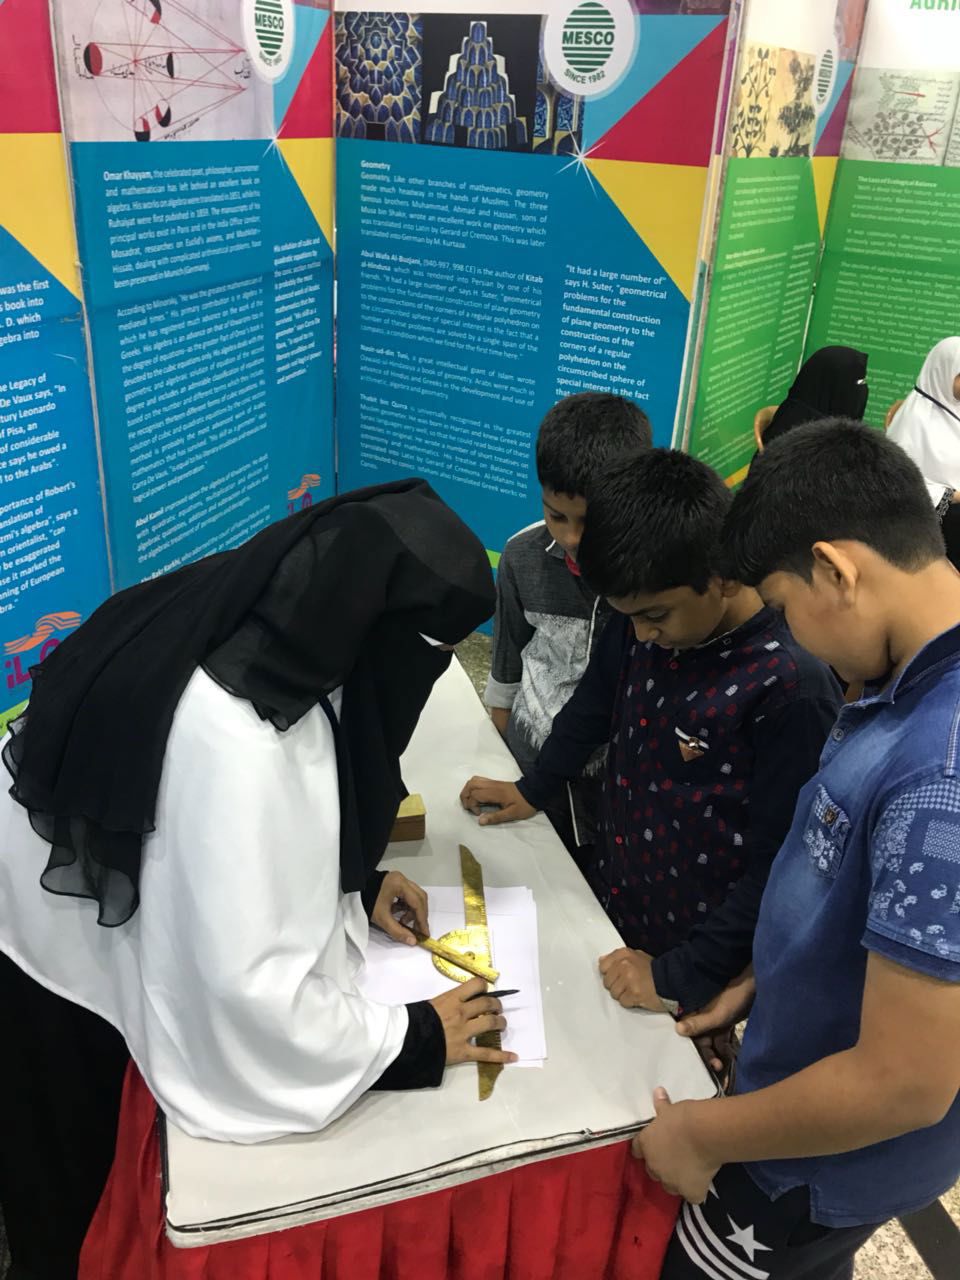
(546, 626)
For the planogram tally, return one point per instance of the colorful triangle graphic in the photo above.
(662, 42)
(655, 131)
(310, 113)
(308, 29)
(664, 204)
(824, 171)
(28, 88)
(310, 161)
(36, 208)
(830, 127)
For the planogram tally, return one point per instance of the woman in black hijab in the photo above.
(831, 383)
(212, 760)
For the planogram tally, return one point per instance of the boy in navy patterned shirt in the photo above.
(847, 1110)
(715, 716)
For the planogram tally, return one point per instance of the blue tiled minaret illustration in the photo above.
(558, 118)
(379, 71)
(475, 107)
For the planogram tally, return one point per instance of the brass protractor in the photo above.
(469, 942)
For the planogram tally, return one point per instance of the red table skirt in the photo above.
(591, 1216)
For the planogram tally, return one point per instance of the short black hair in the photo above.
(581, 433)
(654, 522)
(830, 481)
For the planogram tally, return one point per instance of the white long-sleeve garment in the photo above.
(233, 984)
(927, 426)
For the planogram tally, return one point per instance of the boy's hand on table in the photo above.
(667, 1148)
(506, 795)
(401, 907)
(711, 1027)
(628, 976)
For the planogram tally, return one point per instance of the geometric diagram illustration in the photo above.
(557, 120)
(475, 107)
(162, 66)
(379, 71)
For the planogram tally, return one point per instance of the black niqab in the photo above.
(830, 384)
(334, 597)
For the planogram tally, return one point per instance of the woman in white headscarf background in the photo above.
(927, 427)
(927, 424)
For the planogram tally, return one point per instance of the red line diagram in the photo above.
(911, 119)
(159, 65)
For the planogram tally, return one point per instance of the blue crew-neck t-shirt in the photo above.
(871, 863)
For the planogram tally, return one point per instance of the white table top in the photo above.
(595, 1087)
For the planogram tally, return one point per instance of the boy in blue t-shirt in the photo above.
(846, 1110)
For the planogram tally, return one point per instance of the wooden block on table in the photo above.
(411, 823)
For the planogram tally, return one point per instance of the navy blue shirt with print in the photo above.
(709, 749)
(871, 863)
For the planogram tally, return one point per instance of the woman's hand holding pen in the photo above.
(466, 1012)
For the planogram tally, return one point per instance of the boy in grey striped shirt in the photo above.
(548, 620)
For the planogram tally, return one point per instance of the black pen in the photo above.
(495, 995)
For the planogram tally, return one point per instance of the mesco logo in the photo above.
(589, 45)
(588, 37)
(269, 23)
(268, 35)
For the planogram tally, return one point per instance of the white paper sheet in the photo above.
(397, 974)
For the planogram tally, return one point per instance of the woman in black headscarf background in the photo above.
(831, 383)
(204, 782)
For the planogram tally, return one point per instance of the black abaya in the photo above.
(74, 1131)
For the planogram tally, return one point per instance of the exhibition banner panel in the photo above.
(789, 104)
(202, 165)
(53, 564)
(708, 229)
(519, 197)
(890, 279)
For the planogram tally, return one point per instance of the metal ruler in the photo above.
(473, 944)
(475, 916)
